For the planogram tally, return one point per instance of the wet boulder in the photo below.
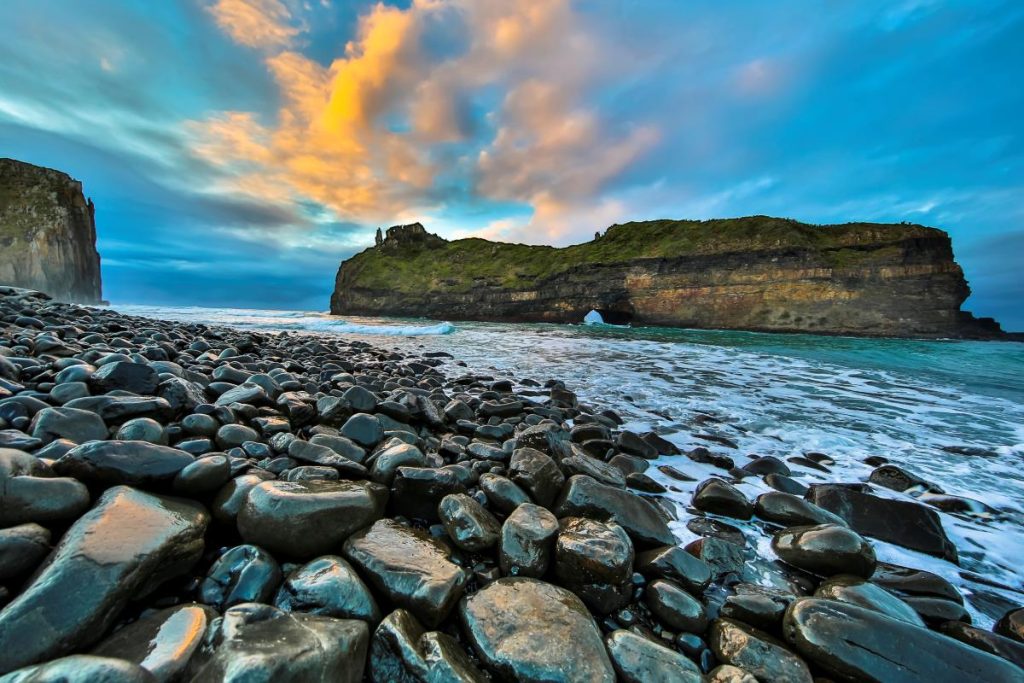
(672, 562)
(102, 464)
(674, 607)
(330, 587)
(537, 474)
(754, 651)
(162, 642)
(117, 408)
(856, 591)
(789, 510)
(305, 519)
(502, 494)
(417, 491)
(1011, 624)
(639, 660)
(411, 569)
(722, 498)
(82, 668)
(469, 525)
(521, 629)
(595, 560)
(385, 464)
(825, 549)
(402, 651)
(67, 423)
(853, 643)
(127, 545)
(255, 642)
(137, 378)
(245, 573)
(584, 496)
(22, 548)
(527, 541)
(993, 643)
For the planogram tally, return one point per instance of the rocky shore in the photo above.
(182, 502)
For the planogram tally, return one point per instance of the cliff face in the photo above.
(754, 273)
(47, 233)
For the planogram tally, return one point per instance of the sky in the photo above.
(238, 150)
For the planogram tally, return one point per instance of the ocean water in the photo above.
(917, 403)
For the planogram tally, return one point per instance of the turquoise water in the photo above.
(784, 395)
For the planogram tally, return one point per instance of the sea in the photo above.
(948, 411)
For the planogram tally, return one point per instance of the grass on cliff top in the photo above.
(462, 264)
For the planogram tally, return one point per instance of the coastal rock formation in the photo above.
(755, 273)
(47, 233)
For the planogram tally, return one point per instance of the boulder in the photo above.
(102, 464)
(674, 607)
(330, 587)
(757, 652)
(825, 549)
(595, 560)
(639, 660)
(82, 668)
(244, 573)
(402, 651)
(309, 518)
(537, 474)
(134, 377)
(531, 631)
(856, 591)
(22, 548)
(789, 510)
(527, 541)
(469, 525)
(584, 496)
(1011, 624)
(123, 548)
(410, 568)
(68, 423)
(672, 562)
(722, 498)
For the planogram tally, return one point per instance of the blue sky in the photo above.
(237, 150)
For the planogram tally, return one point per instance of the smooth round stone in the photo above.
(74, 373)
(204, 476)
(68, 423)
(135, 463)
(789, 510)
(230, 436)
(198, 424)
(502, 494)
(417, 491)
(675, 607)
(469, 525)
(537, 474)
(527, 541)
(853, 643)
(639, 660)
(330, 587)
(993, 643)
(413, 570)
(781, 482)
(43, 500)
(262, 643)
(142, 429)
(162, 642)
(231, 497)
(82, 668)
(856, 591)
(759, 606)
(363, 428)
(134, 377)
(1011, 624)
(22, 548)
(595, 560)
(312, 473)
(672, 562)
(245, 573)
(767, 465)
(361, 400)
(310, 518)
(936, 611)
(722, 498)
(531, 631)
(69, 391)
(584, 496)
(385, 464)
(826, 550)
(756, 652)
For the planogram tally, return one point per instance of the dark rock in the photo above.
(788, 510)
(825, 549)
(598, 469)
(142, 429)
(905, 581)
(124, 547)
(856, 591)
(134, 377)
(469, 525)
(82, 668)
(417, 491)
(993, 643)
(364, 429)
(853, 643)
(757, 652)
(245, 573)
(402, 652)
(757, 606)
(384, 464)
(584, 496)
(502, 494)
(720, 555)
(136, 463)
(305, 519)
(22, 548)
(410, 568)
(639, 660)
(234, 435)
(181, 395)
(162, 642)
(67, 423)
(675, 607)
(631, 443)
(1011, 624)
(115, 409)
(904, 523)
(898, 479)
(672, 562)
(595, 561)
(262, 643)
(202, 477)
(527, 541)
(537, 474)
(40, 499)
(767, 465)
(642, 482)
(935, 611)
(786, 484)
(330, 587)
(247, 393)
(722, 498)
(521, 629)
(231, 497)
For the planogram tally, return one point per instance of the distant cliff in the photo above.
(47, 233)
(755, 273)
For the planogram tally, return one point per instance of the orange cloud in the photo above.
(361, 135)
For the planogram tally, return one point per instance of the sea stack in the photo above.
(757, 273)
(47, 233)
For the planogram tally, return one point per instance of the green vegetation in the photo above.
(463, 264)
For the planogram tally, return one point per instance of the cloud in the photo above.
(368, 135)
(255, 23)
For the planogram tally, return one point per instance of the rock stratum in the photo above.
(47, 233)
(755, 273)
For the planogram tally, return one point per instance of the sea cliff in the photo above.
(755, 273)
(47, 233)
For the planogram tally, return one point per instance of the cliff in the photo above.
(755, 273)
(47, 233)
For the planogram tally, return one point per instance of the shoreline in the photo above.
(478, 467)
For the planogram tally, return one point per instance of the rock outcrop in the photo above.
(47, 233)
(755, 273)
